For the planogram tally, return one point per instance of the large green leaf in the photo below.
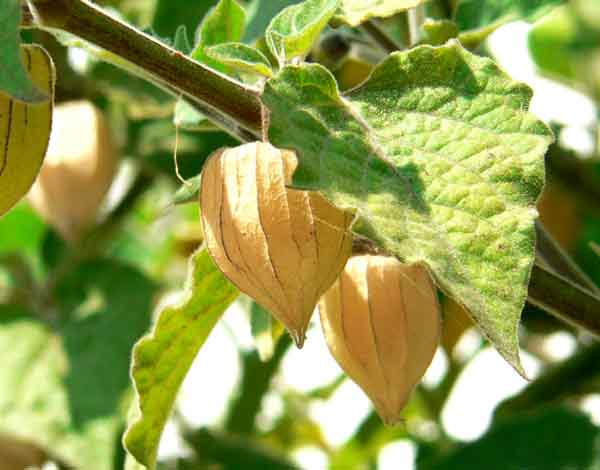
(553, 439)
(295, 29)
(354, 12)
(442, 161)
(161, 360)
(63, 385)
(476, 14)
(14, 79)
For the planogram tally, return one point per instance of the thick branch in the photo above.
(165, 65)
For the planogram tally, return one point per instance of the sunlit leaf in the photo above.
(354, 12)
(294, 30)
(442, 161)
(161, 359)
(25, 131)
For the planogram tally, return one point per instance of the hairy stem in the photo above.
(166, 66)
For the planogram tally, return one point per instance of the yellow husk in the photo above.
(25, 131)
(381, 320)
(283, 247)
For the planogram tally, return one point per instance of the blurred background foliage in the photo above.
(71, 312)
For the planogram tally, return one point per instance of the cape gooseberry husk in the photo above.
(78, 170)
(281, 246)
(381, 320)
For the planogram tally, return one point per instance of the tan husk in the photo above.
(281, 246)
(381, 320)
(78, 169)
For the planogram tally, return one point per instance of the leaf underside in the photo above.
(442, 161)
(161, 360)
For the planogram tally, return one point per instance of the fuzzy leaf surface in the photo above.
(355, 12)
(442, 161)
(161, 359)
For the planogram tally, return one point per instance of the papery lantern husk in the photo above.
(381, 320)
(281, 246)
(78, 170)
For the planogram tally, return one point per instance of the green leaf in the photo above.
(63, 386)
(355, 12)
(552, 439)
(293, 32)
(438, 32)
(189, 118)
(14, 79)
(241, 57)
(181, 41)
(260, 13)
(478, 14)
(224, 23)
(161, 360)
(442, 161)
(188, 192)
(170, 14)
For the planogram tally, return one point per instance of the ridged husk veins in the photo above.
(381, 320)
(283, 247)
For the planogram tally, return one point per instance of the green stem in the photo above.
(551, 253)
(168, 67)
(566, 301)
(384, 40)
(256, 379)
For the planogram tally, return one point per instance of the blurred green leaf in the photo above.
(265, 330)
(294, 30)
(14, 79)
(63, 384)
(443, 163)
(161, 359)
(260, 13)
(224, 23)
(551, 439)
(170, 14)
(188, 191)
(478, 14)
(181, 41)
(21, 230)
(438, 32)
